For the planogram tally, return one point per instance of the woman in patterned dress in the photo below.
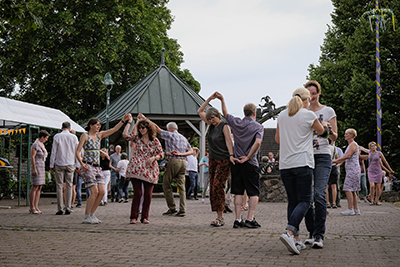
(38, 159)
(143, 168)
(221, 155)
(90, 164)
(353, 173)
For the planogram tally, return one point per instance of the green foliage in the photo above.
(346, 72)
(62, 64)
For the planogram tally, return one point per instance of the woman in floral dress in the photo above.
(353, 173)
(142, 168)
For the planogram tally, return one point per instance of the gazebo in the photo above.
(162, 97)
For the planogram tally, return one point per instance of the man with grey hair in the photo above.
(64, 163)
(177, 148)
(248, 135)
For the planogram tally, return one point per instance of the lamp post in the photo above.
(108, 82)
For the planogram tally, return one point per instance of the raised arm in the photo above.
(109, 132)
(223, 105)
(158, 129)
(201, 110)
(128, 125)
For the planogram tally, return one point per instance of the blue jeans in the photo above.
(363, 180)
(78, 189)
(123, 188)
(194, 180)
(298, 185)
(316, 215)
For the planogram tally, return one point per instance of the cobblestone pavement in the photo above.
(372, 239)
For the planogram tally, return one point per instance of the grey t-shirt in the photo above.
(114, 159)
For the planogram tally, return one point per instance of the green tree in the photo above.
(62, 64)
(346, 71)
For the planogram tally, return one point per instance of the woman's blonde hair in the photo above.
(370, 144)
(296, 103)
(352, 131)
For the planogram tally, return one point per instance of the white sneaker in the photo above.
(88, 220)
(318, 243)
(289, 242)
(309, 241)
(357, 212)
(202, 200)
(348, 212)
(300, 245)
(95, 219)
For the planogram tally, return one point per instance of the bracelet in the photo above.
(122, 121)
(129, 122)
(231, 155)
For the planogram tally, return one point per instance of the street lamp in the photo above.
(108, 82)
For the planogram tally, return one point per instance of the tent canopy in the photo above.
(14, 114)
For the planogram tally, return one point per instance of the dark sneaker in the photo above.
(67, 212)
(78, 205)
(60, 212)
(238, 224)
(181, 214)
(170, 212)
(251, 224)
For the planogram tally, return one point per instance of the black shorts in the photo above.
(333, 177)
(245, 177)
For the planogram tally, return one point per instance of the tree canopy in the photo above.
(346, 72)
(62, 63)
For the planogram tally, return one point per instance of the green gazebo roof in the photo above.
(160, 93)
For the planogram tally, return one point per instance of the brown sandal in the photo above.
(218, 222)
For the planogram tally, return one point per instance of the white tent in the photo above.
(14, 113)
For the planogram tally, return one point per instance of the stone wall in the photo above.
(390, 196)
(272, 189)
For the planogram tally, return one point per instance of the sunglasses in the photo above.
(142, 127)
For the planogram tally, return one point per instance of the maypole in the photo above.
(380, 16)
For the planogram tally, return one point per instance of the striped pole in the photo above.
(378, 81)
(380, 16)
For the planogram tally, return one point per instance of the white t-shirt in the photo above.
(122, 164)
(321, 145)
(296, 142)
(191, 163)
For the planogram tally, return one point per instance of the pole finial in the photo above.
(162, 56)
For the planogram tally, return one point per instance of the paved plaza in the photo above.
(372, 239)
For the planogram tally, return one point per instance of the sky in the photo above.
(247, 49)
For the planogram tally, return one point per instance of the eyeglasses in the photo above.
(142, 127)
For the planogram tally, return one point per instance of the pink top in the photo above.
(137, 167)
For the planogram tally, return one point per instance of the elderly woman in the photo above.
(375, 167)
(294, 133)
(90, 164)
(353, 173)
(221, 154)
(143, 168)
(38, 159)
